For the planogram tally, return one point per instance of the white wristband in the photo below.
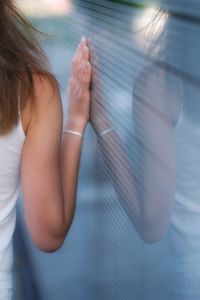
(106, 131)
(73, 133)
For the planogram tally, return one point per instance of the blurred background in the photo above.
(103, 257)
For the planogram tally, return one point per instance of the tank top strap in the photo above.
(19, 101)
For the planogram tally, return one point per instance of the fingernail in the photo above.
(82, 39)
(85, 49)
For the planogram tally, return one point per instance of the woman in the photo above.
(33, 140)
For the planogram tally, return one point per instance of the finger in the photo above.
(79, 50)
(87, 74)
(81, 54)
(84, 54)
(84, 68)
(82, 44)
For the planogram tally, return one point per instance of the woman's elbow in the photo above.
(48, 237)
(153, 233)
(152, 237)
(49, 248)
(48, 244)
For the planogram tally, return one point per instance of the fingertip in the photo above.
(83, 39)
(81, 44)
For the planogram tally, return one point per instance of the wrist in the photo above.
(76, 124)
(100, 128)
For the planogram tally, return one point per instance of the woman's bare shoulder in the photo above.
(45, 89)
(46, 95)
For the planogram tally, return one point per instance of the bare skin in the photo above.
(50, 159)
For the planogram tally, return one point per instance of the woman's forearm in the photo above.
(71, 147)
(122, 176)
(78, 96)
(147, 209)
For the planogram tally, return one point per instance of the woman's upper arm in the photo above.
(40, 170)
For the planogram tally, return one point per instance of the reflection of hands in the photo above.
(99, 117)
(78, 85)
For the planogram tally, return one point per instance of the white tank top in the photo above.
(10, 155)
